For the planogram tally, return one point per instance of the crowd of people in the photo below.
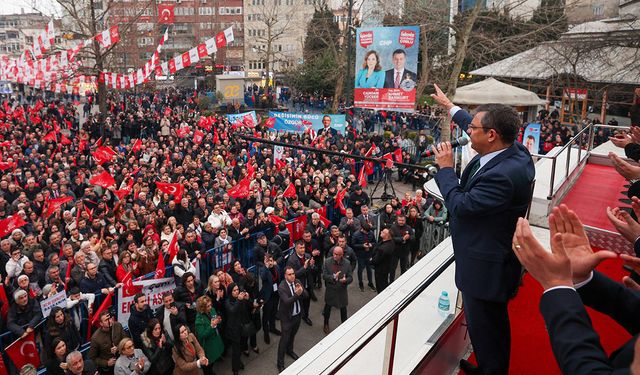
(68, 230)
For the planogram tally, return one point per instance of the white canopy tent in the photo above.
(493, 91)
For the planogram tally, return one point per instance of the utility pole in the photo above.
(349, 83)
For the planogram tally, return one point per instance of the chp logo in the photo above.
(407, 38)
(366, 38)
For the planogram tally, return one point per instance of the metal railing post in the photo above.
(553, 179)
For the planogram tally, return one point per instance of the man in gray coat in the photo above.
(337, 276)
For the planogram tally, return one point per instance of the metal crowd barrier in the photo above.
(434, 233)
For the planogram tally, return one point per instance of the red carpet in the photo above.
(530, 347)
(597, 188)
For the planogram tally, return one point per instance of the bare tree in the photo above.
(85, 19)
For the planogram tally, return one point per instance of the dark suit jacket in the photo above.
(389, 79)
(575, 344)
(484, 213)
(334, 132)
(298, 267)
(287, 300)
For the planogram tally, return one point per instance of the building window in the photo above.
(257, 2)
(598, 10)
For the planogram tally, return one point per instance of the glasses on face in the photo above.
(473, 127)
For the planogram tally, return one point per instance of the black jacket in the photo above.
(108, 269)
(138, 321)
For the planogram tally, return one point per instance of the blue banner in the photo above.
(531, 138)
(299, 122)
(246, 118)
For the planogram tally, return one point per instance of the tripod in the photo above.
(387, 184)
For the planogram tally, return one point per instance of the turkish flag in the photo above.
(106, 303)
(270, 122)
(24, 351)
(247, 120)
(241, 190)
(251, 170)
(174, 189)
(198, 137)
(276, 219)
(103, 179)
(160, 267)
(340, 201)
(173, 247)
(323, 216)
(165, 14)
(397, 155)
(205, 122)
(290, 191)
(54, 204)
(137, 145)
(115, 35)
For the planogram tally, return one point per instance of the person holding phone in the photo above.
(207, 321)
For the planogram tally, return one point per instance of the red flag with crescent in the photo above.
(290, 191)
(183, 132)
(24, 351)
(160, 267)
(173, 247)
(340, 201)
(198, 137)
(174, 189)
(165, 14)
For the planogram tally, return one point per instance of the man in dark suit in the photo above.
(327, 130)
(485, 204)
(567, 275)
(291, 293)
(270, 276)
(395, 77)
(302, 265)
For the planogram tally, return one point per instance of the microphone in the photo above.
(456, 143)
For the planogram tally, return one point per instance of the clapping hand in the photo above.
(626, 169)
(624, 223)
(550, 269)
(576, 243)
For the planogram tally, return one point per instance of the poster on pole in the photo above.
(300, 122)
(153, 288)
(531, 138)
(386, 68)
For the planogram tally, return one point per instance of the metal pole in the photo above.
(334, 153)
(349, 83)
(553, 179)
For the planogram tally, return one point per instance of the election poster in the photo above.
(301, 122)
(153, 288)
(531, 138)
(248, 119)
(386, 68)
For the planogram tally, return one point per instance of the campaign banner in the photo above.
(58, 299)
(531, 138)
(248, 119)
(386, 68)
(153, 288)
(300, 122)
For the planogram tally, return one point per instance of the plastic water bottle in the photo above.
(443, 304)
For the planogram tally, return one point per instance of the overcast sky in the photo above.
(47, 7)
